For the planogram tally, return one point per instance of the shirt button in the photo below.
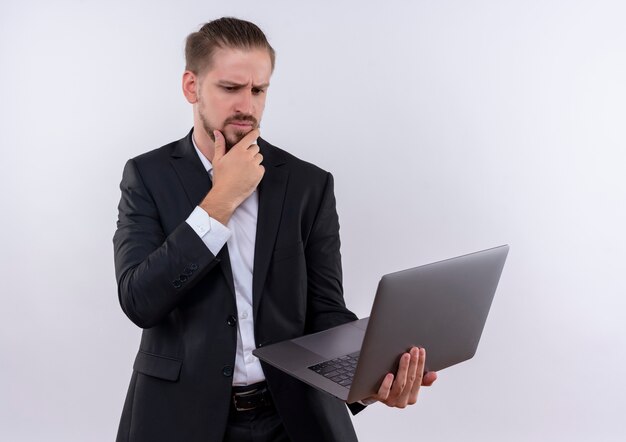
(227, 371)
(231, 320)
(244, 315)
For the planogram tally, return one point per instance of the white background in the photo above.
(450, 126)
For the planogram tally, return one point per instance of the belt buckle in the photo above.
(243, 395)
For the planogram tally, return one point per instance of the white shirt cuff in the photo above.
(367, 402)
(213, 233)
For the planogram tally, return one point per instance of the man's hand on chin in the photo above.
(402, 390)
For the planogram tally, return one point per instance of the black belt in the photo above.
(251, 397)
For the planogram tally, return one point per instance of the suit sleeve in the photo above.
(153, 271)
(326, 307)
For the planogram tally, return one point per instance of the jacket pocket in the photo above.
(162, 367)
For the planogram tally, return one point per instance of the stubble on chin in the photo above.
(231, 139)
(235, 138)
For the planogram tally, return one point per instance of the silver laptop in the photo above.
(441, 306)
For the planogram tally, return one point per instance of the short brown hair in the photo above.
(225, 32)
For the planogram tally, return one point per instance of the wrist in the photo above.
(218, 208)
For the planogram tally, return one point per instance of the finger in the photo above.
(421, 363)
(249, 139)
(259, 158)
(411, 379)
(254, 149)
(399, 383)
(220, 145)
(385, 387)
(429, 378)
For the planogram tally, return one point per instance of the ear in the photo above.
(190, 87)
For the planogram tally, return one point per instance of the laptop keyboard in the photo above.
(339, 370)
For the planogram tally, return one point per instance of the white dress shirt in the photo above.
(240, 235)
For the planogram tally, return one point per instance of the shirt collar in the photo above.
(205, 161)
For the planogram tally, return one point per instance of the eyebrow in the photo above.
(240, 85)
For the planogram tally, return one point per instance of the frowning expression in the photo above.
(231, 93)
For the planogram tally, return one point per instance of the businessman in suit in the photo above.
(225, 243)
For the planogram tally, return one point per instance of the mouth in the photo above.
(241, 124)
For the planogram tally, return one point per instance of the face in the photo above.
(230, 96)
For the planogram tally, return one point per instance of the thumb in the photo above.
(220, 145)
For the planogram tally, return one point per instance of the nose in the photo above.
(245, 103)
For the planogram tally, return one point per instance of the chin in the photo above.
(235, 137)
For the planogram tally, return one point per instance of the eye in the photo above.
(257, 91)
(229, 88)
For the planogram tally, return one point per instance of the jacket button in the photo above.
(182, 278)
(231, 320)
(187, 271)
(193, 267)
(227, 371)
(177, 284)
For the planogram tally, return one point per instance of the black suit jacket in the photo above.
(182, 295)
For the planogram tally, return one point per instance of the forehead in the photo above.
(241, 65)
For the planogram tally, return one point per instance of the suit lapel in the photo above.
(271, 198)
(192, 174)
(197, 183)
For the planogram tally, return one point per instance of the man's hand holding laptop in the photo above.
(402, 390)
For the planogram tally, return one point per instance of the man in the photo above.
(226, 243)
